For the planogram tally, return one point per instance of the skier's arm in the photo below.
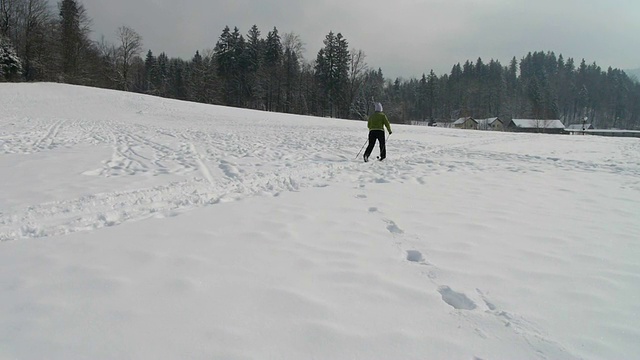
(387, 124)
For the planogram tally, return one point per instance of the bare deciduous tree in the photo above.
(7, 14)
(294, 43)
(130, 47)
(108, 54)
(35, 43)
(357, 70)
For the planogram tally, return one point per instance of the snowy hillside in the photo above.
(146, 228)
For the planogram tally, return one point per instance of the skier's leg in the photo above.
(383, 146)
(372, 143)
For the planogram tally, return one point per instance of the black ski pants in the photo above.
(373, 136)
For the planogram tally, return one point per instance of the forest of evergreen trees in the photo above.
(269, 73)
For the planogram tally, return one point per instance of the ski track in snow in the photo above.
(278, 161)
(209, 159)
(164, 159)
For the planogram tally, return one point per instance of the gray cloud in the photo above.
(404, 37)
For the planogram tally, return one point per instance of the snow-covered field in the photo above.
(136, 227)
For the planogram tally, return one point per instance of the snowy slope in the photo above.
(138, 227)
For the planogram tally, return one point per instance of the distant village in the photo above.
(548, 126)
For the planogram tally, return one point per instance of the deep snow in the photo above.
(139, 227)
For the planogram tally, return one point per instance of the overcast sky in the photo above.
(403, 37)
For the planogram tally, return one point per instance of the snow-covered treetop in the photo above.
(10, 63)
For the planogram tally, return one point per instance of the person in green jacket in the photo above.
(377, 122)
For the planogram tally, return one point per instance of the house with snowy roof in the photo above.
(466, 123)
(548, 126)
(490, 124)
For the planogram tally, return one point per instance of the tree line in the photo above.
(540, 86)
(270, 73)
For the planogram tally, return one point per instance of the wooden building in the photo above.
(466, 123)
(494, 124)
(549, 126)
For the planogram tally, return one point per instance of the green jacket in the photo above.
(378, 121)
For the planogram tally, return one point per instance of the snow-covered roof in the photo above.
(462, 120)
(488, 121)
(538, 124)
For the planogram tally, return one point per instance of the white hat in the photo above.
(378, 107)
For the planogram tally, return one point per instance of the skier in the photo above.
(376, 125)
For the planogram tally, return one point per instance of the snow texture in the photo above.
(147, 228)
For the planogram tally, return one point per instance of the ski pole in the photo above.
(365, 143)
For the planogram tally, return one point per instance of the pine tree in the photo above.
(511, 107)
(241, 83)
(176, 79)
(495, 89)
(292, 57)
(232, 64)
(273, 54)
(433, 97)
(71, 39)
(454, 93)
(342, 76)
(150, 71)
(332, 69)
(137, 75)
(10, 63)
(162, 71)
(254, 77)
(211, 85)
(422, 101)
(223, 53)
(196, 79)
